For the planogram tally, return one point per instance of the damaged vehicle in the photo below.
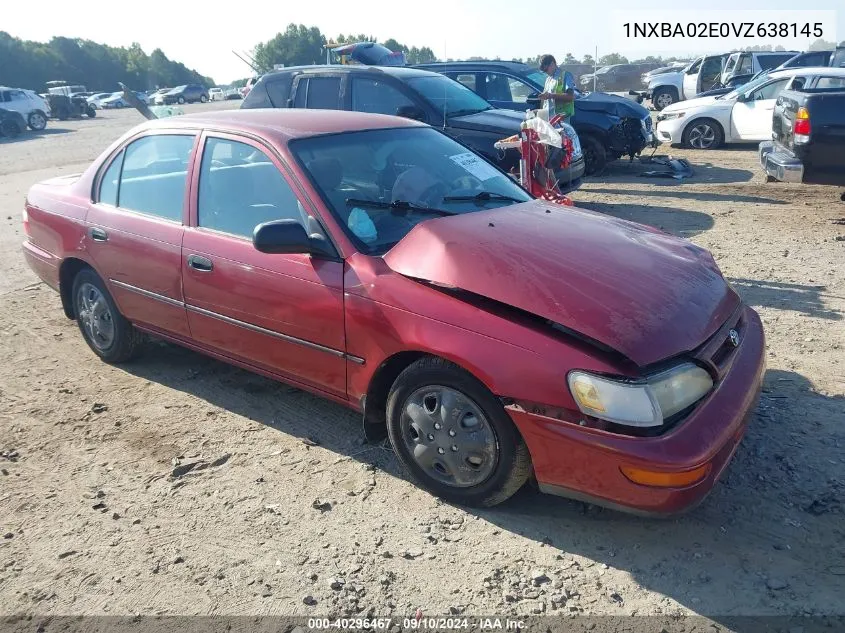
(68, 101)
(609, 126)
(377, 262)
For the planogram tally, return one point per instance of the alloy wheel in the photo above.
(664, 100)
(702, 136)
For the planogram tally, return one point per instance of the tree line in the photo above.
(28, 64)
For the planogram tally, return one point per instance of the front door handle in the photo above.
(98, 235)
(198, 262)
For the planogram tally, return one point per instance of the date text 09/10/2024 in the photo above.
(416, 623)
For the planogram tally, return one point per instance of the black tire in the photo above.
(126, 340)
(62, 114)
(595, 154)
(663, 98)
(181, 100)
(203, 99)
(91, 111)
(512, 460)
(703, 134)
(36, 121)
(9, 129)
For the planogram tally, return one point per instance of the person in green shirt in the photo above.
(559, 91)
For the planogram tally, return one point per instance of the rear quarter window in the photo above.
(277, 91)
(258, 98)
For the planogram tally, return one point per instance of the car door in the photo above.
(279, 313)
(691, 79)
(751, 119)
(18, 101)
(710, 73)
(135, 224)
(507, 91)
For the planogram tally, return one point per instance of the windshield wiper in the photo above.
(466, 112)
(397, 205)
(481, 196)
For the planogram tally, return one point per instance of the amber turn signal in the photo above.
(664, 479)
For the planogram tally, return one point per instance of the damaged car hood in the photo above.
(611, 104)
(642, 292)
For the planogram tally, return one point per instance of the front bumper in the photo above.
(671, 131)
(572, 177)
(780, 164)
(585, 463)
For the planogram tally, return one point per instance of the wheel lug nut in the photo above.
(430, 437)
(451, 432)
(454, 448)
(441, 450)
(437, 426)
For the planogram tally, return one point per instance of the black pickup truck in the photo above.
(808, 132)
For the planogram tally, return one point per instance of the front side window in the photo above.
(377, 97)
(448, 96)
(467, 79)
(240, 188)
(745, 65)
(770, 91)
(420, 171)
(520, 91)
(154, 175)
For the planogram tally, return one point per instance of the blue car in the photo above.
(609, 126)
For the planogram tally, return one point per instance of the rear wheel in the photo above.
(453, 436)
(91, 111)
(181, 100)
(37, 120)
(203, 99)
(107, 332)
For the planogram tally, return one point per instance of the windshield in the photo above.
(359, 175)
(604, 70)
(449, 95)
(751, 85)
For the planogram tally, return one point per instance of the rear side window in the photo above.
(467, 79)
(369, 95)
(324, 93)
(767, 62)
(108, 185)
(155, 170)
(831, 82)
(278, 91)
(240, 188)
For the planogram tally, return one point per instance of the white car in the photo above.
(216, 94)
(741, 116)
(34, 108)
(96, 100)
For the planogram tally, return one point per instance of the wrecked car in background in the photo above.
(609, 126)
(700, 75)
(413, 93)
(383, 265)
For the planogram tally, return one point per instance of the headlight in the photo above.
(642, 404)
(668, 116)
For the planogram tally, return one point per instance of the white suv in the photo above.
(34, 108)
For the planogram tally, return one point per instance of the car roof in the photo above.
(478, 62)
(808, 70)
(284, 124)
(400, 72)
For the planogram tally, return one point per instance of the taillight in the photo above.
(25, 218)
(801, 127)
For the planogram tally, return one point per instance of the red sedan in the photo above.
(377, 262)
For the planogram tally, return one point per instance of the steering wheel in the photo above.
(467, 182)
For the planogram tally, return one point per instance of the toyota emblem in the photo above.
(733, 335)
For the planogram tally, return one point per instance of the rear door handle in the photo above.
(98, 235)
(198, 262)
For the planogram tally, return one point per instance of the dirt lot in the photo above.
(180, 485)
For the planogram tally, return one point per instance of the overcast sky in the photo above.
(203, 39)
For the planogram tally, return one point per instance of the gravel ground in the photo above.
(180, 485)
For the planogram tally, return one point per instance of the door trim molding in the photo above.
(243, 324)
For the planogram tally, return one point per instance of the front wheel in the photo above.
(107, 332)
(37, 120)
(595, 155)
(181, 100)
(662, 98)
(203, 99)
(453, 436)
(703, 134)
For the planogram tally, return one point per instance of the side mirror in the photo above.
(288, 236)
(411, 112)
(742, 97)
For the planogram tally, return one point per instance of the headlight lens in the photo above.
(668, 116)
(640, 404)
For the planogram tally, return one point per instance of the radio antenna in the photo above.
(445, 90)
